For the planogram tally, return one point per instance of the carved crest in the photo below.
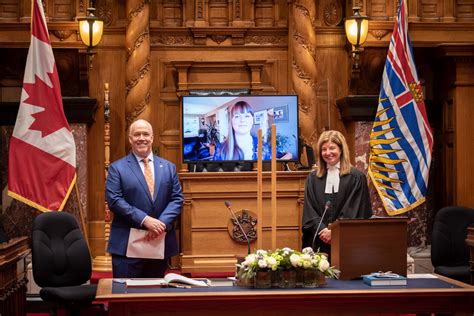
(248, 221)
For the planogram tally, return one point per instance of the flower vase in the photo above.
(300, 277)
(287, 279)
(310, 278)
(321, 279)
(275, 278)
(245, 282)
(263, 279)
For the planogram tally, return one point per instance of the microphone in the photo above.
(227, 204)
(326, 207)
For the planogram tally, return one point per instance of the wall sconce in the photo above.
(90, 30)
(357, 28)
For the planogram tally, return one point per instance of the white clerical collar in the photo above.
(332, 179)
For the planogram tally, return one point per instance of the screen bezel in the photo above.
(232, 99)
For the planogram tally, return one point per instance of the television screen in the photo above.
(225, 128)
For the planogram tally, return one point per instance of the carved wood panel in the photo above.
(465, 10)
(9, 9)
(431, 9)
(381, 9)
(62, 10)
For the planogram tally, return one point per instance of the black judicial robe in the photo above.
(352, 201)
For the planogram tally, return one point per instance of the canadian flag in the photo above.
(42, 153)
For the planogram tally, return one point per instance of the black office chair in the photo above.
(61, 262)
(449, 252)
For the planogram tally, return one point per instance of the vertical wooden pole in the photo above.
(103, 263)
(274, 183)
(259, 192)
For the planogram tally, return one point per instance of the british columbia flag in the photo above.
(401, 139)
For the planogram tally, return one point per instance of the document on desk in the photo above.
(421, 276)
(139, 247)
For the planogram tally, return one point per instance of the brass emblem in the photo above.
(248, 221)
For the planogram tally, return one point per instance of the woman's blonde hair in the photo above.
(338, 139)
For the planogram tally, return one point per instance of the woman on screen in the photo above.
(335, 188)
(240, 144)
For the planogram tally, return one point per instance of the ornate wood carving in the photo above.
(378, 34)
(13, 276)
(303, 72)
(218, 38)
(137, 42)
(201, 34)
(81, 7)
(63, 34)
(248, 221)
(104, 11)
(372, 61)
(104, 263)
(172, 40)
(333, 13)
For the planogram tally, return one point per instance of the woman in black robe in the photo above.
(335, 185)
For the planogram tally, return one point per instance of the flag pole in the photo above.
(259, 193)
(273, 186)
(81, 215)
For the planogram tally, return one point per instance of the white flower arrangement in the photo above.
(285, 259)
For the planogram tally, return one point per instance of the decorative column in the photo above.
(301, 42)
(138, 77)
(103, 263)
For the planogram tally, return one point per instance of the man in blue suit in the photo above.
(128, 192)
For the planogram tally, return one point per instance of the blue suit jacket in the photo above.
(129, 199)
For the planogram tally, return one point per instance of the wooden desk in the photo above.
(13, 276)
(327, 301)
(470, 244)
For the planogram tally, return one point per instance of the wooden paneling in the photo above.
(9, 9)
(431, 9)
(380, 9)
(464, 116)
(104, 71)
(62, 10)
(13, 278)
(204, 219)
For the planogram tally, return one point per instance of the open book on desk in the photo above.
(170, 280)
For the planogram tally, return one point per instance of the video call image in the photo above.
(225, 128)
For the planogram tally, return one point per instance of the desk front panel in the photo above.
(337, 298)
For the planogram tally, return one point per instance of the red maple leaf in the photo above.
(40, 94)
